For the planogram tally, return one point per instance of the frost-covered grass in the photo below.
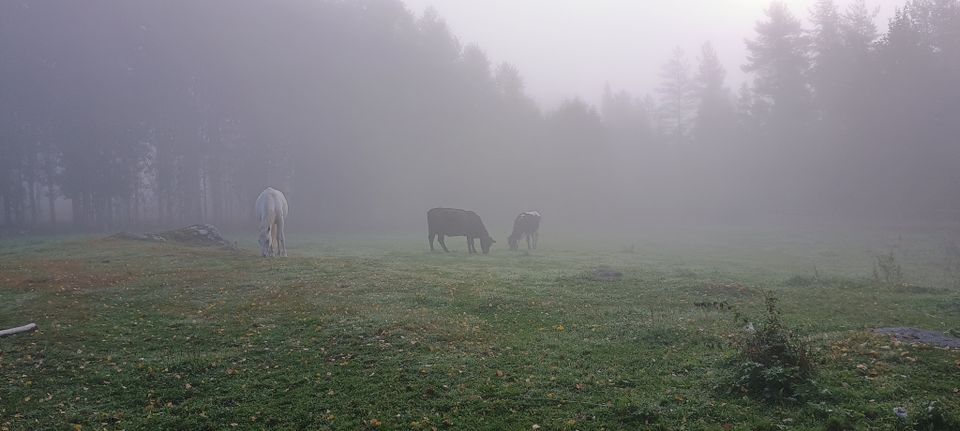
(379, 333)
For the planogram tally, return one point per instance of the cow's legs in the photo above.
(442, 243)
(528, 241)
(536, 236)
(430, 238)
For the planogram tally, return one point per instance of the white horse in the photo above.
(272, 210)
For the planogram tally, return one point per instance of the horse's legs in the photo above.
(471, 247)
(442, 243)
(273, 240)
(281, 238)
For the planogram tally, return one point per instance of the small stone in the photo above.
(901, 412)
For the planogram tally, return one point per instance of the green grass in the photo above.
(379, 333)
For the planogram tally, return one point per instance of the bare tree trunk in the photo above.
(6, 212)
(96, 211)
(50, 168)
(135, 213)
(112, 210)
(12, 331)
(52, 203)
(160, 213)
(19, 210)
(89, 211)
(203, 196)
(80, 210)
(74, 211)
(190, 191)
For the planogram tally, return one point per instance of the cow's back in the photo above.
(527, 222)
(453, 222)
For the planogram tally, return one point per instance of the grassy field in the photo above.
(379, 333)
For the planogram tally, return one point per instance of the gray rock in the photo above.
(921, 336)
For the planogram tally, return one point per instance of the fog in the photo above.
(135, 114)
(573, 48)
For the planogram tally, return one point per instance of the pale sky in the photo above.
(567, 48)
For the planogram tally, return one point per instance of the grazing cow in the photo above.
(455, 222)
(272, 210)
(526, 224)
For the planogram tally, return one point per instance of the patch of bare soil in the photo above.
(726, 288)
(63, 276)
(920, 336)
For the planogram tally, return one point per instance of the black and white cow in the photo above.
(457, 222)
(527, 224)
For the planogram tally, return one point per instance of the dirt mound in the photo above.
(203, 235)
(914, 335)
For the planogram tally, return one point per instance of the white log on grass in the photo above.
(12, 331)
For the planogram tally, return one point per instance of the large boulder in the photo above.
(130, 236)
(203, 235)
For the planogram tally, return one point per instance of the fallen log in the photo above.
(12, 331)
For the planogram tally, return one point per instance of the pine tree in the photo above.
(858, 30)
(715, 112)
(778, 58)
(826, 57)
(677, 97)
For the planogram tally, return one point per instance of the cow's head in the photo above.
(513, 242)
(485, 244)
(265, 246)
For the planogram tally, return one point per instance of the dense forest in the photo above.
(118, 114)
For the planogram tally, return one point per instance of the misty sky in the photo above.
(136, 114)
(568, 48)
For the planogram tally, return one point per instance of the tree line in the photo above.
(118, 114)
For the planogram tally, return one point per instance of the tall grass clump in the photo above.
(773, 362)
(887, 270)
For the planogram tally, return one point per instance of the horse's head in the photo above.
(485, 244)
(266, 249)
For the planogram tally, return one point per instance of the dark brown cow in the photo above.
(457, 222)
(526, 224)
